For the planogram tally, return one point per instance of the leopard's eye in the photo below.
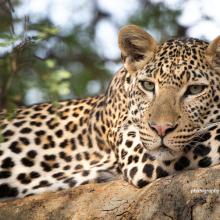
(148, 86)
(195, 89)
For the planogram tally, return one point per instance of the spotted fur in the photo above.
(49, 147)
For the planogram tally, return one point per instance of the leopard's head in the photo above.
(173, 89)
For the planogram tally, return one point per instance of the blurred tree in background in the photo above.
(40, 61)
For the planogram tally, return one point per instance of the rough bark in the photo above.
(167, 198)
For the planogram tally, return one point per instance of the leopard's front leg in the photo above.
(137, 165)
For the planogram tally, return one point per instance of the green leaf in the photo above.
(61, 75)
(5, 36)
(6, 44)
(10, 40)
(9, 37)
(56, 104)
(50, 63)
(2, 139)
(11, 113)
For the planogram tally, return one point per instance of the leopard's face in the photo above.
(174, 97)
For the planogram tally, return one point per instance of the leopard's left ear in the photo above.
(137, 47)
(213, 53)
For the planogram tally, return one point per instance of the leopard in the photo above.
(159, 116)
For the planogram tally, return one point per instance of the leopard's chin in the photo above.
(164, 153)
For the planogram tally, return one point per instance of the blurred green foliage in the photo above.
(60, 65)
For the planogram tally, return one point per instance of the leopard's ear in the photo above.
(137, 47)
(213, 53)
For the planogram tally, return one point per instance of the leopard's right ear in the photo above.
(213, 54)
(137, 47)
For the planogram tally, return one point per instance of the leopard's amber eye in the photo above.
(195, 89)
(148, 86)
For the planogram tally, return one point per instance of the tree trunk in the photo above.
(189, 195)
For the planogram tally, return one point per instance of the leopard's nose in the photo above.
(162, 129)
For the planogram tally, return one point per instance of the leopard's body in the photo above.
(145, 126)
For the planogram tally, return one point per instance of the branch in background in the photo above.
(6, 10)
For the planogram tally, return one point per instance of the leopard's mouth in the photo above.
(163, 152)
(164, 148)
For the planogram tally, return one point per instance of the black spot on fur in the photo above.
(46, 166)
(204, 137)
(35, 115)
(56, 165)
(29, 194)
(5, 174)
(80, 139)
(167, 162)
(64, 143)
(120, 139)
(201, 150)
(70, 126)
(7, 163)
(25, 130)
(78, 167)
(32, 153)
(133, 171)
(146, 157)
(59, 133)
(24, 140)
(213, 128)
(73, 144)
(65, 157)
(130, 159)
(40, 133)
(57, 175)
(50, 157)
(78, 157)
(34, 174)
(123, 153)
(24, 191)
(67, 167)
(148, 169)
(142, 183)
(128, 79)
(181, 163)
(75, 114)
(216, 98)
(71, 182)
(52, 123)
(205, 162)
(97, 115)
(14, 147)
(8, 133)
(37, 141)
(7, 191)
(128, 143)
(19, 123)
(26, 162)
(217, 137)
(23, 178)
(85, 172)
(160, 172)
(136, 159)
(35, 123)
(103, 129)
(43, 183)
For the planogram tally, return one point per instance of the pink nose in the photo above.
(162, 130)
